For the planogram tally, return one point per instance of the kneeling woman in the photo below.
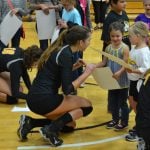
(14, 63)
(55, 70)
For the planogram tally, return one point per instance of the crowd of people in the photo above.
(60, 65)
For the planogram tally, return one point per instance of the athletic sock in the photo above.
(11, 100)
(40, 122)
(58, 124)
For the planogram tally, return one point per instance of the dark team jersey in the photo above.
(112, 17)
(12, 60)
(143, 107)
(56, 72)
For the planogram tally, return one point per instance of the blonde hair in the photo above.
(73, 2)
(139, 28)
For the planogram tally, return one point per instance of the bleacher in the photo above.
(133, 8)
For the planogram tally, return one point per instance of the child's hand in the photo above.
(116, 75)
(128, 70)
(62, 24)
(14, 11)
(45, 9)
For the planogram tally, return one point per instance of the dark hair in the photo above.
(117, 25)
(31, 55)
(69, 36)
(113, 1)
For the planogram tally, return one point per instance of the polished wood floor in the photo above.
(98, 138)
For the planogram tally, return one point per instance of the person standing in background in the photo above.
(117, 13)
(100, 9)
(18, 8)
(83, 6)
(45, 5)
(145, 17)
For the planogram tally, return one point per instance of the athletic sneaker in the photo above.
(119, 127)
(132, 137)
(111, 124)
(24, 128)
(51, 136)
(141, 144)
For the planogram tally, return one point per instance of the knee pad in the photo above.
(86, 110)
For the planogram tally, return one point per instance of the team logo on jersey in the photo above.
(8, 51)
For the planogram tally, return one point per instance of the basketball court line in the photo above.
(72, 145)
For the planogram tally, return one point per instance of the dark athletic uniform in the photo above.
(12, 60)
(57, 72)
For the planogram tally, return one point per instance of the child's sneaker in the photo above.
(119, 127)
(141, 144)
(132, 137)
(111, 124)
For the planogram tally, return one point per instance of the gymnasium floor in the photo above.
(98, 138)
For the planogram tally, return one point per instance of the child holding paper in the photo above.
(18, 8)
(140, 60)
(117, 97)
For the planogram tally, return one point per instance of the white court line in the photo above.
(72, 145)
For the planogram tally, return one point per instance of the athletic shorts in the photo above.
(133, 90)
(44, 103)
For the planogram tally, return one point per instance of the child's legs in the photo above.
(96, 7)
(113, 102)
(123, 95)
(133, 94)
(103, 9)
(43, 44)
(132, 103)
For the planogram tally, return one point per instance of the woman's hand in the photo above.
(79, 63)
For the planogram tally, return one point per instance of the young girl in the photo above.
(14, 63)
(55, 71)
(117, 97)
(140, 60)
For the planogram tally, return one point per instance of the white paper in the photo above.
(9, 27)
(103, 77)
(115, 59)
(45, 24)
(20, 109)
(55, 34)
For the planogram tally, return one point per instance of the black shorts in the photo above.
(44, 103)
(133, 90)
